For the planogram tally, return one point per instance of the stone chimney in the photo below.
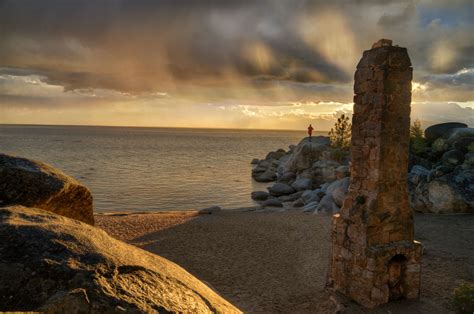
(374, 256)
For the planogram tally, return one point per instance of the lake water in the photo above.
(143, 169)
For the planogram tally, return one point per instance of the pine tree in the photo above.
(340, 135)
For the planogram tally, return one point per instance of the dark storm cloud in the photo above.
(143, 45)
(406, 14)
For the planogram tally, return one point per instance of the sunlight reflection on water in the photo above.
(152, 168)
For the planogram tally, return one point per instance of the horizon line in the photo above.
(153, 127)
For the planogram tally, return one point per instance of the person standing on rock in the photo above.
(310, 131)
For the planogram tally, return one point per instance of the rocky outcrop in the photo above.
(35, 184)
(433, 191)
(54, 264)
(306, 153)
(442, 179)
(301, 173)
(265, 170)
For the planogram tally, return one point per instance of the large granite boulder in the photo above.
(268, 175)
(338, 190)
(324, 171)
(35, 184)
(441, 130)
(451, 192)
(305, 154)
(53, 264)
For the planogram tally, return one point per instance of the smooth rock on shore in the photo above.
(272, 202)
(279, 189)
(210, 210)
(55, 264)
(35, 184)
(259, 195)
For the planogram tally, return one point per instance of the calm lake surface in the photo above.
(144, 169)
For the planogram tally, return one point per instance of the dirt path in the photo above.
(277, 262)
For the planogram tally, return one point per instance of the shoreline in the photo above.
(247, 209)
(270, 261)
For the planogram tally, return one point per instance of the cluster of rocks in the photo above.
(441, 179)
(306, 177)
(54, 264)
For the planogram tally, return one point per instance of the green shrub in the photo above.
(463, 298)
(417, 140)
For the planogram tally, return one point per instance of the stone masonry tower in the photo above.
(374, 257)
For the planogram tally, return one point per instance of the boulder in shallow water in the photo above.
(35, 184)
(266, 176)
(279, 189)
(210, 210)
(51, 263)
(259, 195)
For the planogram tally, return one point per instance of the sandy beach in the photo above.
(270, 262)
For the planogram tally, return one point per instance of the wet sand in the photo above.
(276, 262)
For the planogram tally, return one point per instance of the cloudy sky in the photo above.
(235, 64)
